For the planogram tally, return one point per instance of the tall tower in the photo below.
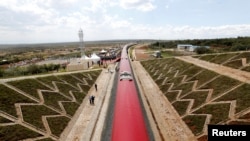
(80, 34)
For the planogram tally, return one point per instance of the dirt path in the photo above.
(227, 71)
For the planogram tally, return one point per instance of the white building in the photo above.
(187, 47)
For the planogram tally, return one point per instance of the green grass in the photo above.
(234, 64)
(52, 99)
(159, 81)
(69, 79)
(65, 88)
(49, 79)
(195, 123)
(191, 71)
(220, 59)
(171, 96)
(176, 80)
(207, 57)
(165, 54)
(203, 77)
(165, 87)
(33, 114)
(198, 96)
(244, 55)
(179, 65)
(90, 81)
(29, 86)
(79, 96)
(80, 76)
(181, 106)
(241, 94)
(4, 120)
(218, 111)
(70, 107)
(9, 97)
(16, 132)
(85, 87)
(57, 124)
(220, 85)
(93, 74)
(170, 75)
(185, 87)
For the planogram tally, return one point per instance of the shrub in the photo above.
(202, 50)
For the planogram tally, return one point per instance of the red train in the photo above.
(128, 121)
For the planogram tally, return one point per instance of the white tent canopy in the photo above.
(95, 58)
(84, 57)
(103, 51)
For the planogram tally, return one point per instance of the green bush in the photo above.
(202, 50)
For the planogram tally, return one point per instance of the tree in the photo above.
(33, 69)
(202, 50)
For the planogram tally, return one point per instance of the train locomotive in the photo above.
(128, 121)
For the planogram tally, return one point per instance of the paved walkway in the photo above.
(87, 123)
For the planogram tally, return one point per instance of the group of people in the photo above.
(92, 97)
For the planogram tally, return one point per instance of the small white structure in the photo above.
(188, 47)
(95, 58)
(84, 57)
(79, 64)
(185, 47)
(103, 51)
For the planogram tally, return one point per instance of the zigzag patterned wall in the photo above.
(201, 96)
(40, 108)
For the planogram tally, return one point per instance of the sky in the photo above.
(46, 21)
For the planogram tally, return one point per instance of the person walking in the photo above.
(90, 99)
(93, 99)
(95, 87)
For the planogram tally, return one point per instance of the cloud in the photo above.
(59, 21)
(224, 31)
(141, 5)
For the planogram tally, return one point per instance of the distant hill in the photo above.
(67, 44)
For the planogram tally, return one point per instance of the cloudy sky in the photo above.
(42, 21)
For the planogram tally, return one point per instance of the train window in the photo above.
(125, 75)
